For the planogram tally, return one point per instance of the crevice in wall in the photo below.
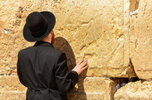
(134, 4)
(137, 4)
(132, 70)
(120, 82)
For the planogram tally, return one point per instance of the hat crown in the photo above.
(37, 24)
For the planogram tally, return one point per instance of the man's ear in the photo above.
(52, 32)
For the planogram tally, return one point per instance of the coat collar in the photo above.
(42, 43)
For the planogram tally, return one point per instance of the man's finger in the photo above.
(81, 61)
(83, 64)
(85, 67)
(84, 61)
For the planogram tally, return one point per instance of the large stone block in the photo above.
(141, 40)
(88, 96)
(11, 88)
(96, 30)
(135, 91)
(12, 95)
(93, 88)
(11, 83)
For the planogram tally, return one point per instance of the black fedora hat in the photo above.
(38, 25)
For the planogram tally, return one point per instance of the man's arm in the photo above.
(65, 80)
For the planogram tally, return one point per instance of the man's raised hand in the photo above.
(82, 65)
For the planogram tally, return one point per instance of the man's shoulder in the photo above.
(57, 52)
(23, 51)
(47, 51)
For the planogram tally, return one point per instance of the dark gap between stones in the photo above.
(120, 82)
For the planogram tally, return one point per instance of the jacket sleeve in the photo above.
(19, 73)
(65, 80)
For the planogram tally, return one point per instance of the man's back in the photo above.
(43, 70)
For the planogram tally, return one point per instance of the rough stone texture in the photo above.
(98, 33)
(12, 95)
(135, 91)
(11, 89)
(89, 88)
(11, 23)
(100, 30)
(141, 40)
(93, 88)
(10, 83)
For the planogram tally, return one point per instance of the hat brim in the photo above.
(51, 23)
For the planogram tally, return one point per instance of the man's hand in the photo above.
(82, 65)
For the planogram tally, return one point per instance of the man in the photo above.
(42, 68)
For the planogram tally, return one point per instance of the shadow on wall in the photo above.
(63, 45)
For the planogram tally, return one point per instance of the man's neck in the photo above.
(46, 41)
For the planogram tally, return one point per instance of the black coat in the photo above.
(43, 70)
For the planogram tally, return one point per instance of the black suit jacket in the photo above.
(43, 70)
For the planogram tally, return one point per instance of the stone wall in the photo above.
(114, 35)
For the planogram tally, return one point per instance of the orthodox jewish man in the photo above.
(42, 68)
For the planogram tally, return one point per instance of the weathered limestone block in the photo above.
(12, 95)
(135, 91)
(11, 88)
(96, 30)
(12, 16)
(10, 83)
(141, 40)
(93, 88)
